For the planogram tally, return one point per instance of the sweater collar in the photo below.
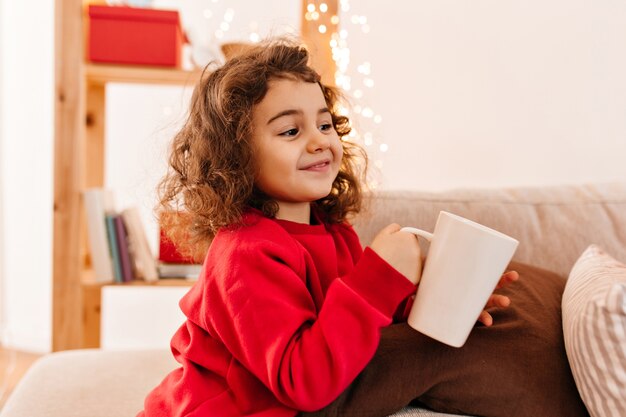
(317, 228)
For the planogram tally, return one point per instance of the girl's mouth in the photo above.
(317, 166)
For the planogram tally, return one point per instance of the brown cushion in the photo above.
(515, 368)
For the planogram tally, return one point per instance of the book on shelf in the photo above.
(144, 263)
(114, 247)
(117, 240)
(98, 203)
(124, 250)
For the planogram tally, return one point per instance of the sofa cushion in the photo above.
(594, 326)
(90, 382)
(553, 224)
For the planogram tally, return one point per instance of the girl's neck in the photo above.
(295, 212)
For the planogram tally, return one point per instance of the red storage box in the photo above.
(130, 35)
(168, 252)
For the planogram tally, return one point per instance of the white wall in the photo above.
(2, 284)
(26, 135)
(495, 93)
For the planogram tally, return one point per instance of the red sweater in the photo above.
(283, 317)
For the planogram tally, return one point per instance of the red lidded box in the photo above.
(168, 252)
(130, 35)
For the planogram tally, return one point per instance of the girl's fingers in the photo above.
(391, 228)
(497, 300)
(485, 318)
(507, 278)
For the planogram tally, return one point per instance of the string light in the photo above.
(367, 112)
(369, 119)
(228, 16)
(224, 25)
(364, 68)
(254, 32)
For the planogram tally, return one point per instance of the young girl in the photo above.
(288, 308)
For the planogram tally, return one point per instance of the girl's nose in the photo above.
(318, 142)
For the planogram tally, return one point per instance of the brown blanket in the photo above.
(515, 368)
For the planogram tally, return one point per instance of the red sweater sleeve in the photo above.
(262, 310)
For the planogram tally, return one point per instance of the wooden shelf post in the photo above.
(68, 156)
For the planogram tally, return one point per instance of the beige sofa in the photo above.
(553, 224)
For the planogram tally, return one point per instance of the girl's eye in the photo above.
(290, 132)
(326, 126)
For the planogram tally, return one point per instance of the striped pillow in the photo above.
(594, 328)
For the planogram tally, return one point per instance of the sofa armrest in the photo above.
(89, 382)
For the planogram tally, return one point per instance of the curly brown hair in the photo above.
(211, 180)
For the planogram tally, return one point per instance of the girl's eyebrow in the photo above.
(290, 112)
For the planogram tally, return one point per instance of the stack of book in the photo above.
(118, 244)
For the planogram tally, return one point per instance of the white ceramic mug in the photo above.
(464, 264)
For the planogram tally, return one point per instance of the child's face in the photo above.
(298, 150)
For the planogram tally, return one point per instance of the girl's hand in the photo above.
(496, 300)
(400, 250)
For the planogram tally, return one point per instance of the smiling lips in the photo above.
(317, 166)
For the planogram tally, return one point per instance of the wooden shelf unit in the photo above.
(79, 164)
(79, 158)
(95, 79)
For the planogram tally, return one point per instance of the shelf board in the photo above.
(161, 282)
(88, 279)
(104, 73)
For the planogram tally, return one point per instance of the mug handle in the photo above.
(418, 232)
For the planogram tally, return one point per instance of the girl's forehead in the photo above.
(286, 97)
(292, 91)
